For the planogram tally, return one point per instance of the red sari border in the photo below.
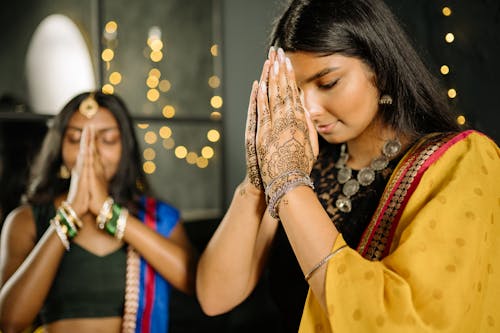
(376, 241)
(149, 292)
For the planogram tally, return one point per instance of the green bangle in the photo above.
(110, 225)
(70, 229)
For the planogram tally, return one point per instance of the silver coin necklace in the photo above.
(366, 176)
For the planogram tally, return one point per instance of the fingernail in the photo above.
(276, 67)
(271, 50)
(288, 64)
(281, 54)
(263, 87)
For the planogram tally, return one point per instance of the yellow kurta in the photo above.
(442, 273)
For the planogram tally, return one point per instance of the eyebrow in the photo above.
(79, 129)
(321, 73)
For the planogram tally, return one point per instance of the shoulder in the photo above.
(467, 156)
(456, 145)
(20, 222)
(471, 144)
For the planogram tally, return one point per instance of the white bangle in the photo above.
(121, 223)
(60, 233)
(103, 216)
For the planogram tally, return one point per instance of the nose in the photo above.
(311, 104)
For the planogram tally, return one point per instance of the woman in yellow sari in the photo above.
(393, 216)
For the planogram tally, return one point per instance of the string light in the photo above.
(107, 55)
(452, 93)
(449, 37)
(180, 152)
(115, 78)
(445, 69)
(165, 132)
(149, 167)
(149, 154)
(108, 89)
(213, 135)
(156, 85)
(150, 137)
(216, 102)
(110, 34)
(168, 111)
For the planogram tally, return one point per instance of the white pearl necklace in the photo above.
(365, 177)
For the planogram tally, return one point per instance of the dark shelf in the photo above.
(23, 116)
(28, 116)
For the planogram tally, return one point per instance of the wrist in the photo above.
(282, 185)
(77, 208)
(249, 191)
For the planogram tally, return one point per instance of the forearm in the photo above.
(23, 294)
(228, 267)
(310, 232)
(172, 260)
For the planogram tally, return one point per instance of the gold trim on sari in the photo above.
(376, 241)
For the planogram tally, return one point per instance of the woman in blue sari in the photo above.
(91, 250)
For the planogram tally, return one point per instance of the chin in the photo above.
(333, 139)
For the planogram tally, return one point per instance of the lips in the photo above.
(326, 128)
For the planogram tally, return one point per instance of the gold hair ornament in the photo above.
(88, 107)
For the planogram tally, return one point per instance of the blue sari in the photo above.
(147, 293)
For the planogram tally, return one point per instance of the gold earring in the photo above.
(385, 100)
(64, 172)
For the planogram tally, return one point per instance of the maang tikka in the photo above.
(88, 107)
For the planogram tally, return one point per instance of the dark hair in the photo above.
(128, 183)
(367, 30)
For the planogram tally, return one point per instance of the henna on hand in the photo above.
(284, 149)
(253, 172)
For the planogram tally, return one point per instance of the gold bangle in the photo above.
(323, 261)
(66, 206)
(121, 223)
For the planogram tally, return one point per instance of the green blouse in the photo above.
(86, 285)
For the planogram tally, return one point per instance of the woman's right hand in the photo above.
(253, 172)
(79, 191)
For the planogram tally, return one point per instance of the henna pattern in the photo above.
(253, 172)
(284, 150)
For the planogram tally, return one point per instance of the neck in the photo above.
(363, 149)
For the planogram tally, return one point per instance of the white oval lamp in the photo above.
(58, 65)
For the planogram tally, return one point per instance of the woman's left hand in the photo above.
(285, 136)
(98, 182)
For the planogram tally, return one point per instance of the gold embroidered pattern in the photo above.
(381, 226)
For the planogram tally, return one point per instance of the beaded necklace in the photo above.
(365, 176)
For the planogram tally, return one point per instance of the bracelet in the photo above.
(68, 227)
(104, 213)
(285, 175)
(323, 261)
(111, 224)
(121, 223)
(60, 233)
(67, 207)
(284, 189)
